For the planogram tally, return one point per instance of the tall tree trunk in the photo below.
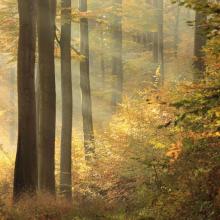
(155, 47)
(102, 56)
(161, 40)
(117, 65)
(148, 41)
(176, 31)
(25, 174)
(199, 43)
(155, 34)
(47, 94)
(67, 105)
(85, 85)
(37, 92)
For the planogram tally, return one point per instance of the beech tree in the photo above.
(25, 174)
(67, 105)
(102, 38)
(199, 42)
(117, 65)
(47, 94)
(85, 84)
(161, 39)
(155, 33)
(176, 30)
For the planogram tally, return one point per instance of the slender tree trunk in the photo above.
(67, 105)
(199, 43)
(85, 85)
(155, 47)
(102, 57)
(37, 92)
(25, 174)
(176, 31)
(148, 41)
(161, 40)
(117, 65)
(47, 94)
(155, 34)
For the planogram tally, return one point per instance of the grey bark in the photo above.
(102, 57)
(85, 85)
(176, 31)
(67, 105)
(148, 41)
(161, 40)
(117, 65)
(47, 94)
(25, 174)
(155, 34)
(199, 42)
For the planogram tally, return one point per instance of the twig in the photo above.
(59, 42)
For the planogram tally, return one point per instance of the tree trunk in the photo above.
(148, 41)
(37, 92)
(176, 31)
(117, 65)
(161, 41)
(47, 94)
(155, 34)
(67, 105)
(155, 47)
(199, 43)
(25, 174)
(85, 85)
(102, 56)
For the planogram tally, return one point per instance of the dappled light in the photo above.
(110, 110)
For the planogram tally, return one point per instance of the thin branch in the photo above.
(75, 50)
(59, 41)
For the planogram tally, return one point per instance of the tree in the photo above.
(85, 84)
(102, 38)
(176, 30)
(67, 105)
(148, 41)
(199, 42)
(160, 40)
(206, 23)
(117, 65)
(155, 34)
(47, 94)
(25, 174)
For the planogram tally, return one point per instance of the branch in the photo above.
(56, 37)
(59, 42)
(75, 50)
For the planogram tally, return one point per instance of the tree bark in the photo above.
(176, 31)
(199, 43)
(47, 94)
(161, 40)
(67, 105)
(85, 85)
(102, 56)
(148, 41)
(25, 174)
(117, 65)
(155, 34)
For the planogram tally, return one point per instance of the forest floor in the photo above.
(141, 170)
(145, 167)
